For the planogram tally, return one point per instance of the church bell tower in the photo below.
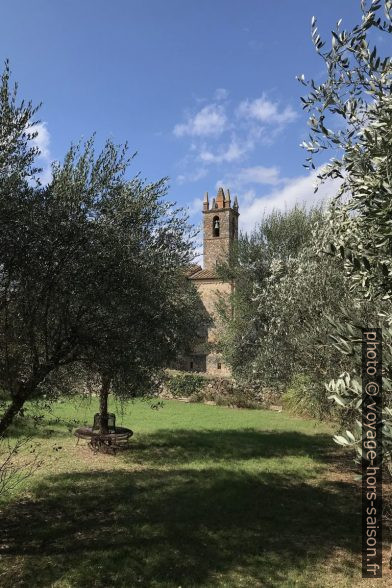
(220, 228)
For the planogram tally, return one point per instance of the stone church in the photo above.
(220, 231)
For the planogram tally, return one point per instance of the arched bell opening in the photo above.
(215, 226)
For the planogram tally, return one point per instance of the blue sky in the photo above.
(204, 90)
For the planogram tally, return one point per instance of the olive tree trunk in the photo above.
(103, 404)
(8, 416)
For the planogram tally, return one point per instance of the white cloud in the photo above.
(195, 207)
(220, 134)
(42, 141)
(299, 190)
(210, 120)
(46, 175)
(266, 111)
(233, 152)
(221, 94)
(192, 176)
(198, 247)
(257, 174)
(248, 197)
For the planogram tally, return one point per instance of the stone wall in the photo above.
(209, 291)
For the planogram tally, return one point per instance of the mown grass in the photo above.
(206, 496)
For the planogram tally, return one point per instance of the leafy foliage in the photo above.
(305, 397)
(185, 384)
(17, 129)
(283, 289)
(357, 92)
(91, 272)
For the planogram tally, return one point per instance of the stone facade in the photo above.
(220, 228)
(220, 231)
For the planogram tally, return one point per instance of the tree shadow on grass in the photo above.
(185, 446)
(43, 426)
(181, 526)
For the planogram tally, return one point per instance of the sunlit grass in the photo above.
(205, 496)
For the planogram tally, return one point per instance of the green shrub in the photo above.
(199, 388)
(305, 397)
(238, 399)
(199, 396)
(185, 384)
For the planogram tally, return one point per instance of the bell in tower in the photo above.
(216, 226)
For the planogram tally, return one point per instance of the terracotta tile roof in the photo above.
(204, 274)
(192, 269)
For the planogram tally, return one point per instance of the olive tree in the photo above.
(283, 288)
(17, 130)
(356, 98)
(91, 272)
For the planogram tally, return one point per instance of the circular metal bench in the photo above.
(105, 442)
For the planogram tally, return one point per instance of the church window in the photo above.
(191, 365)
(219, 366)
(215, 226)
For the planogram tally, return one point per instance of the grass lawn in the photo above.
(207, 496)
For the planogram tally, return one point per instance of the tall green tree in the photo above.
(356, 98)
(283, 288)
(91, 274)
